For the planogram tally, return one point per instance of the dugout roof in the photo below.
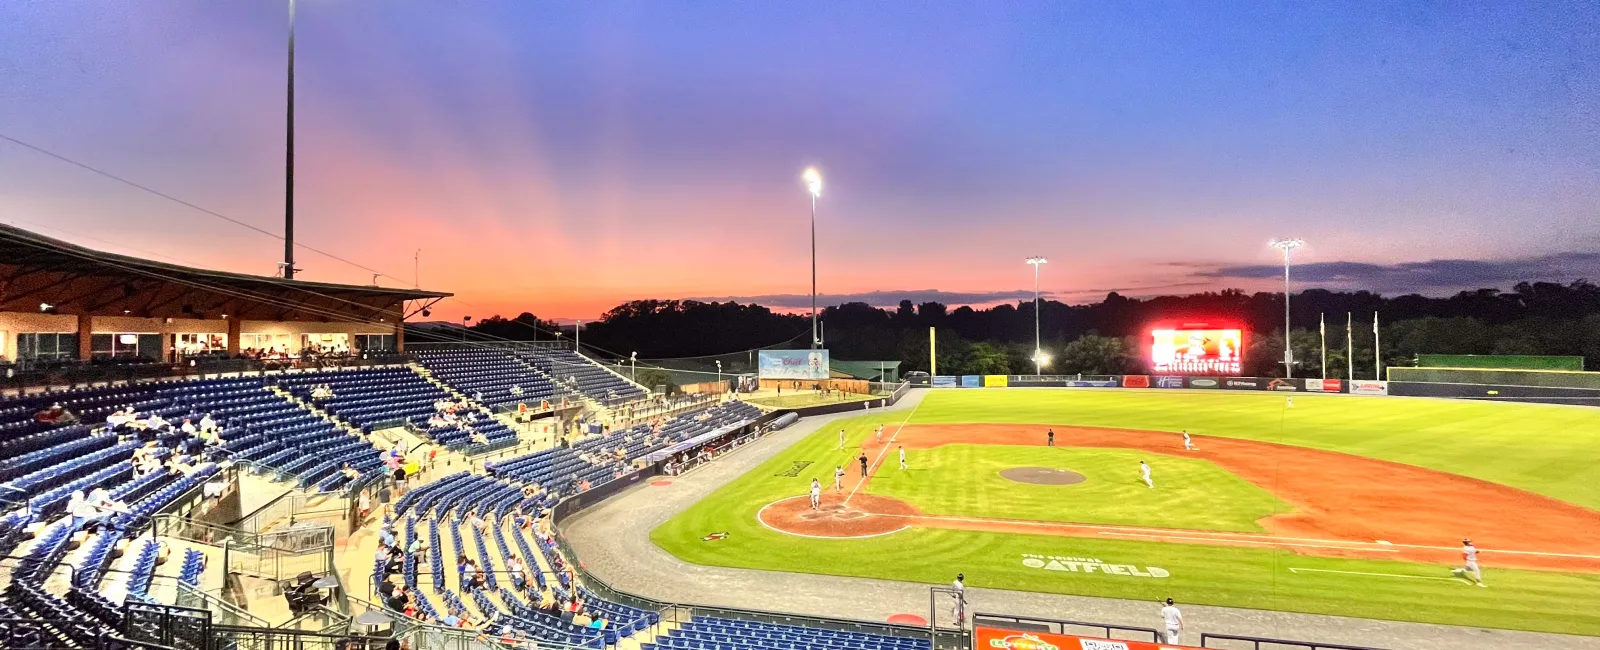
(36, 269)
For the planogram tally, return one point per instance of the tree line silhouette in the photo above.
(1107, 337)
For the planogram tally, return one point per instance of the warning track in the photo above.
(1342, 504)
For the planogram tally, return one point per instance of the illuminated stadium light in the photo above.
(1038, 352)
(813, 179)
(1287, 245)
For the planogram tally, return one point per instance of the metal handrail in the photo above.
(1256, 642)
(187, 593)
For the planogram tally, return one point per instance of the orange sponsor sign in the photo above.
(991, 638)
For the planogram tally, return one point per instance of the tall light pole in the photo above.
(464, 321)
(1038, 351)
(719, 374)
(288, 169)
(1287, 245)
(813, 179)
(633, 364)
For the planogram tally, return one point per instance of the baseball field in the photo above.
(1336, 504)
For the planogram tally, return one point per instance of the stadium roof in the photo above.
(36, 270)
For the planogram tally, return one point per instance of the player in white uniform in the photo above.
(1469, 553)
(902, 458)
(1289, 403)
(838, 479)
(1188, 445)
(880, 433)
(841, 438)
(1173, 620)
(960, 609)
(1144, 470)
(816, 494)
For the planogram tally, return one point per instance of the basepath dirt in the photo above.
(1343, 505)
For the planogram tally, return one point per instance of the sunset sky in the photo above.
(563, 157)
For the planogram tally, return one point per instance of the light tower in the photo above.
(1287, 245)
(813, 179)
(1038, 350)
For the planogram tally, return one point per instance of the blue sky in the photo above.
(564, 157)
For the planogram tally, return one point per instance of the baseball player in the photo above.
(880, 434)
(902, 458)
(960, 609)
(1289, 403)
(816, 494)
(838, 479)
(1050, 438)
(1188, 445)
(1469, 554)
(1173, 619)
(841, 438)
(1144, 470)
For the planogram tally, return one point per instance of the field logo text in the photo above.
(1090, 565)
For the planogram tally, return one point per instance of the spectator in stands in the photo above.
(118, 419)
(479, 438)
(212, 437)
(418, 550)
(156, 423)
(56, 415)
(519, 577)
(207, 423)
(386, 535)
(188, 428)
(478, 523)
(398, 600)
(516, 390)
(351, 474)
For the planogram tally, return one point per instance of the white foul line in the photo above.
(1366, 573)
(881, 452)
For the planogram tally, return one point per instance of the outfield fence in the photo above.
(1499, 377)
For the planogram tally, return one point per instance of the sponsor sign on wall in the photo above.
(1243, 383)
(1093, 383)
(1204, 382)
(946, 381)
(995, 381)
(971, 381)
(1136, 381)
(1369, 387)
(792, 364)
(1283, 385)
(1323, 385)
(1168, 381)
(994, 638)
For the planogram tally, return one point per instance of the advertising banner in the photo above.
(1283, 385)
(1204, 382)
(1168, 381)
(971, 381)
(1136, 381)
(995, 381)
(1369, 387)
(1323, 385)
(993, 638)
(1243, 383)
(1093, 383)
(946, 381)
(1333, 385)
(793, 364)
(1197, 351)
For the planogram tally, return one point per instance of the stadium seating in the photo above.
(575, 372)
(707, 633)
(488, 375)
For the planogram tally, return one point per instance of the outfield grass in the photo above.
(1543, 449)
(1195, 494)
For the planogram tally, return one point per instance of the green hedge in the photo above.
(1500, 361)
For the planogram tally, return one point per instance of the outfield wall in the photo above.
(1505, 393)
(1497, 377)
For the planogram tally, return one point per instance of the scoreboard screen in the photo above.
(1197, 351)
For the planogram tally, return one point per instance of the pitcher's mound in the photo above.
(1041, 476)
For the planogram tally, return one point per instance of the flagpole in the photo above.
(1350, 346)
(1377, 357)
(1323, 328)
